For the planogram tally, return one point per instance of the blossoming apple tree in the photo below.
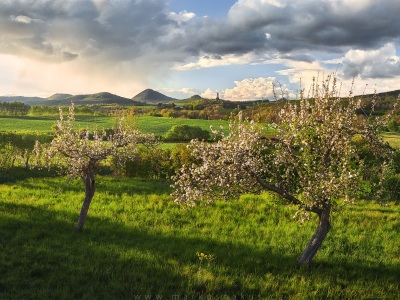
(312, 162)
(81, 151)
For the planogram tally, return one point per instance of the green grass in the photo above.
(393, 138)
(45, 123)
(160, 126)
(137, 242)
(147, 124)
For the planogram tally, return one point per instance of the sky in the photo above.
(237, 48)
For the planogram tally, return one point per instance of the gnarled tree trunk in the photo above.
(90, 185)
(319, 236)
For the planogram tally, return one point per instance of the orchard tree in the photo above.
(81, 151)
(312, 162)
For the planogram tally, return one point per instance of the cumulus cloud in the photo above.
(209, 94)
(181, 17)
(251, 89)
(380, 63)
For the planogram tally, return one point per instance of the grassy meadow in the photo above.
(147, 124)
(138, 244)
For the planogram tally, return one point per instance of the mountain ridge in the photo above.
(146, 97)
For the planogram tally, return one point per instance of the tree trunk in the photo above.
(318, 237)
(90, 185)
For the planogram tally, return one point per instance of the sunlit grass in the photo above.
(147, 124)
(137, 242)
(393, 138)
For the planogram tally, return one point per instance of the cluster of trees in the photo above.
(45, 110)
(16, 148)
(198, 108)
(14, 109)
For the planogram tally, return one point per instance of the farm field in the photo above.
(138, 244)
(146, 124)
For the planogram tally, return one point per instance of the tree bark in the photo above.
(90, 185)
(319, 236)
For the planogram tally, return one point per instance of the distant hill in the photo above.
(196, 97)
(59, 96)
(87, 99)
(386, 94)
(99, 98)
(147, 96)
(152, 96)
(26, 100)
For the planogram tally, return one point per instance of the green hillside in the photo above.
(59, 96)
(151, 96)
(99, 98)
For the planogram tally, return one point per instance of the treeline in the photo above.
(14, 109)
(44, 110)
(205, 109)
(22, 109)
(264, 111)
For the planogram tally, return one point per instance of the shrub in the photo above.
(185, 133)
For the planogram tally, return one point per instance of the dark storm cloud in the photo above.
(145, 30)
(312, 25)
(120, 30)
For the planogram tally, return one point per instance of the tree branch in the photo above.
(292, 199)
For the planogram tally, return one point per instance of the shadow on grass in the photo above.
(41, 257)
(40, 118)
(111, 185)
(20, 173)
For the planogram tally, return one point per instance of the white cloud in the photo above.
(182, 16)
(208, 61)
(251, 89)
(379, 63)
(24, 19)
(209, 94)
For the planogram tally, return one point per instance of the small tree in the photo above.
(185, 133)
(312, 162)
(81, 152)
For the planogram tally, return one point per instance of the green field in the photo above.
(138, 243)
(147, 124)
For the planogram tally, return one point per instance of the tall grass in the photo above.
(138, 243)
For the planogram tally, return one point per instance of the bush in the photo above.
(185, 133)
(154, 162)
(391, 188)
(147, 162)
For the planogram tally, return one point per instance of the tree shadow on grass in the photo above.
(41, 257)
(111, 185)
(21, 173)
